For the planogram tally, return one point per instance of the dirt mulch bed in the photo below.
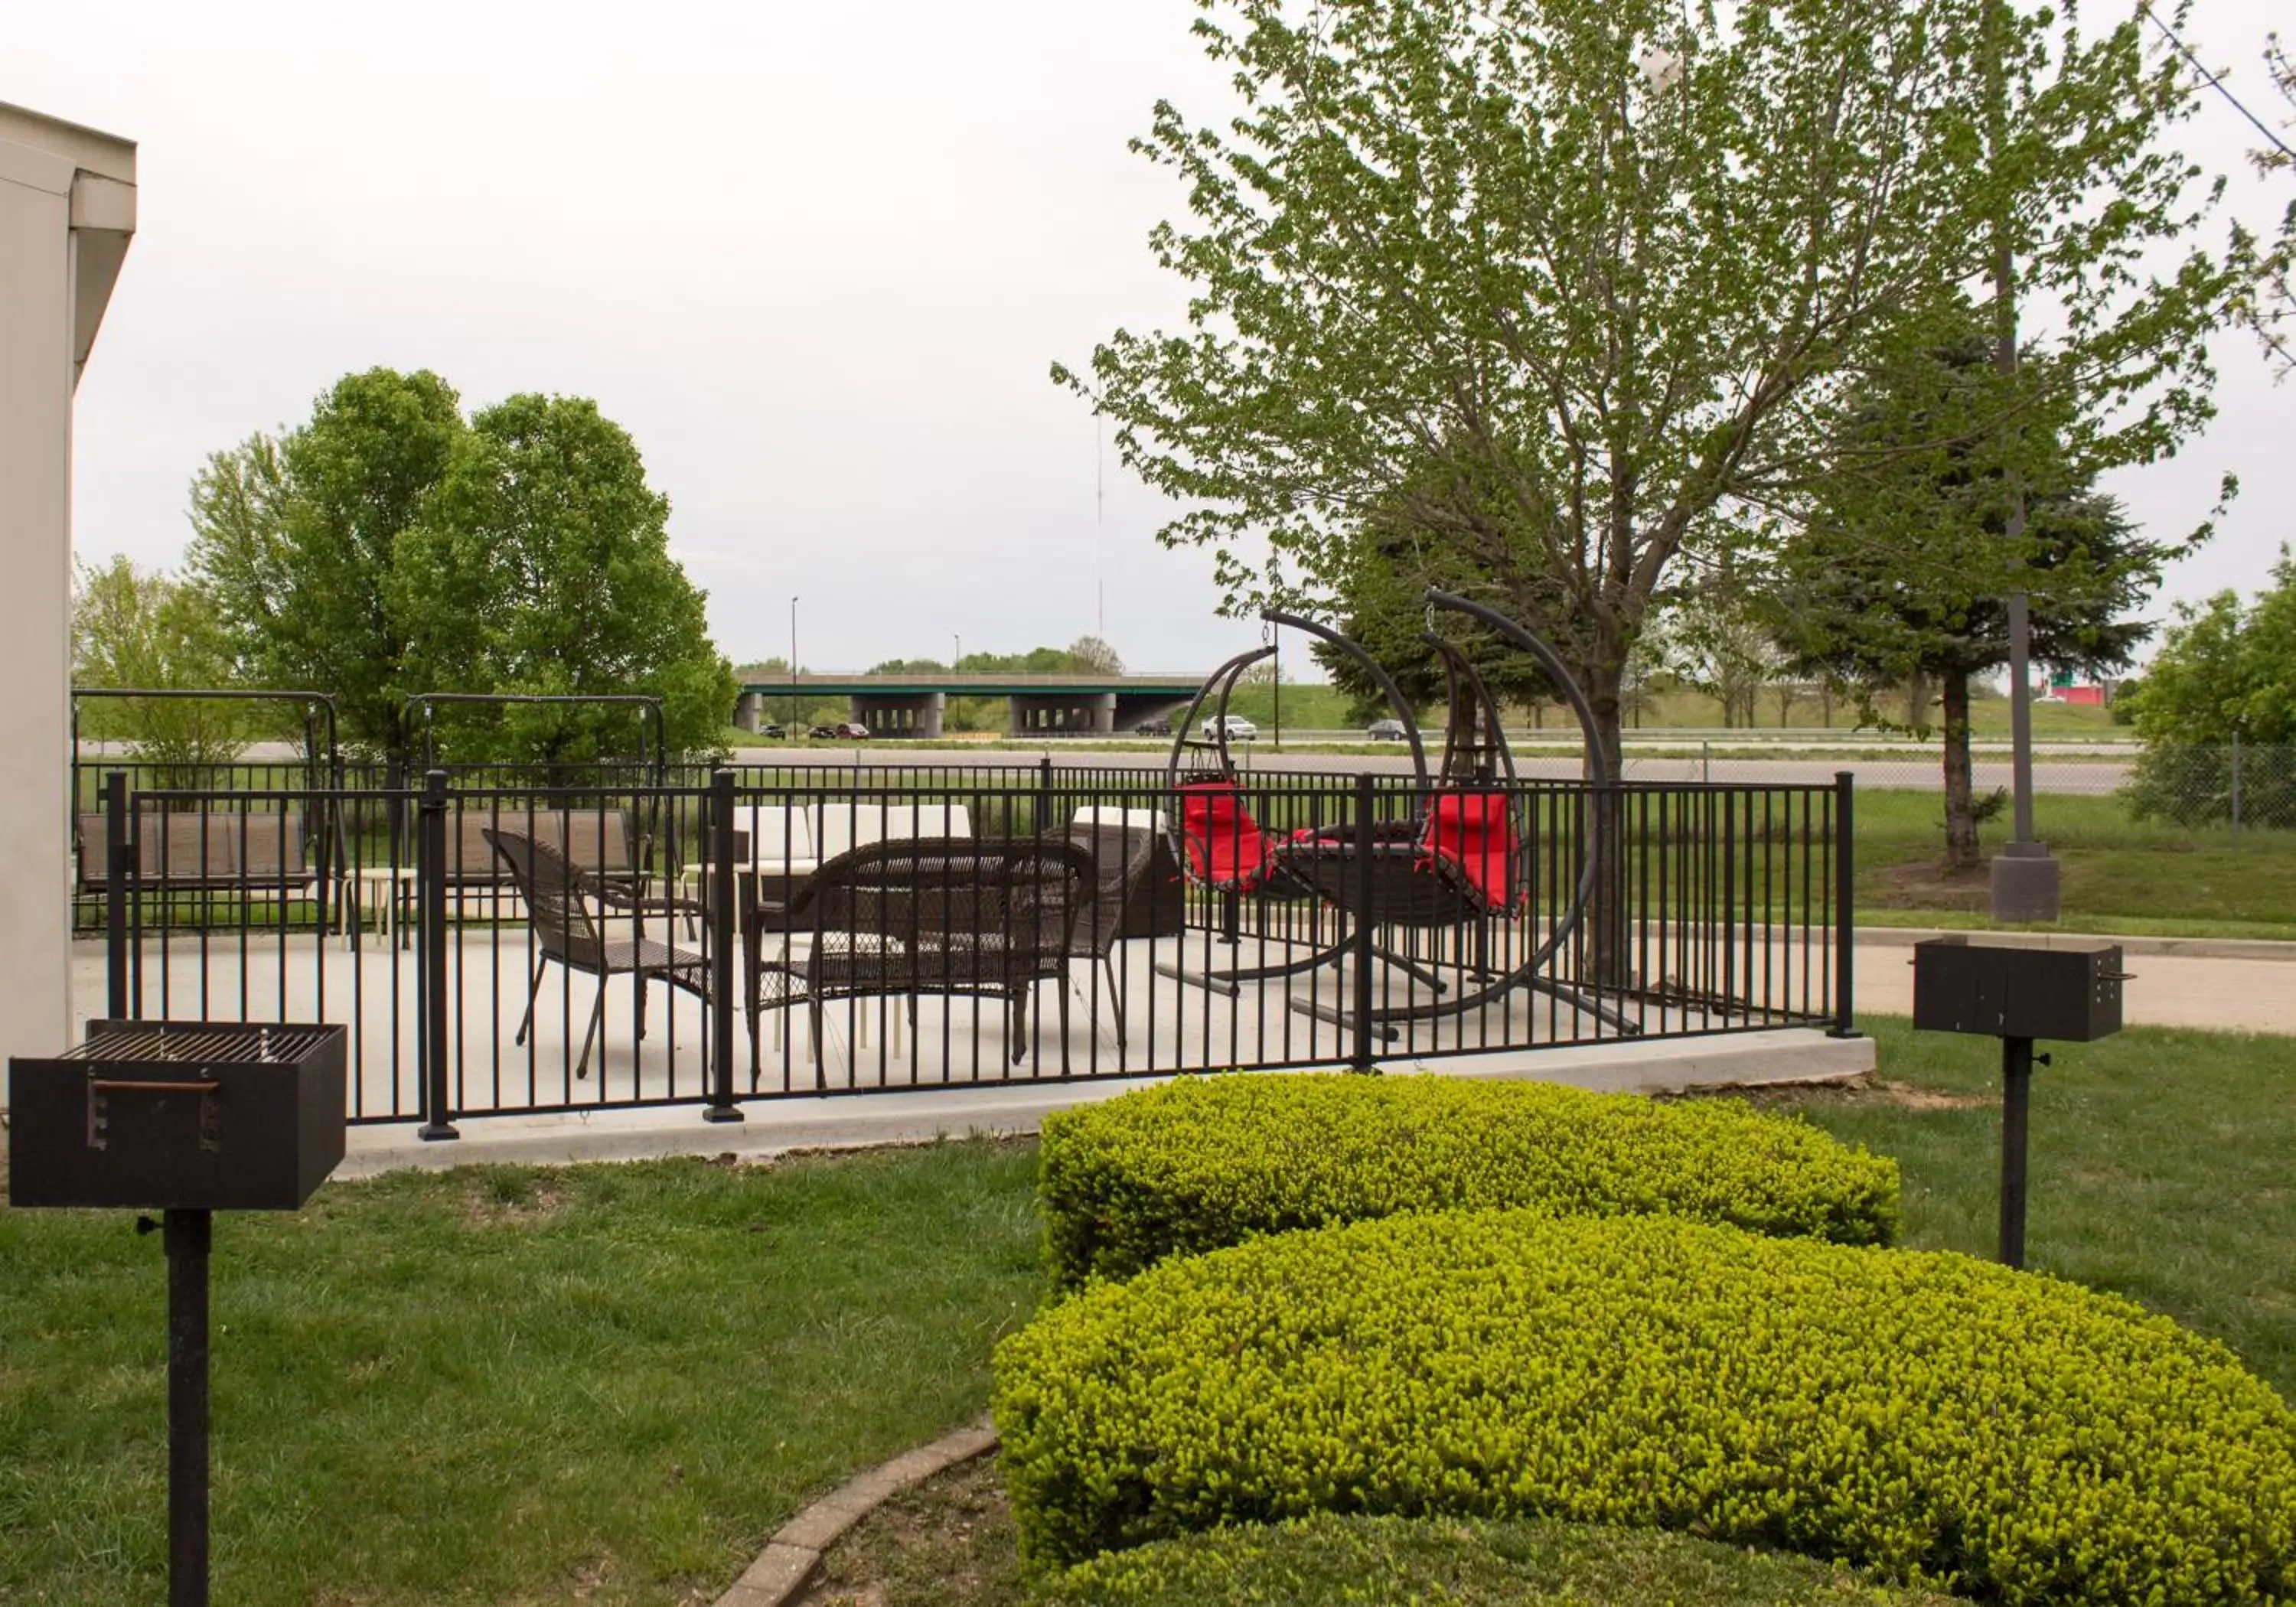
(948, 1540)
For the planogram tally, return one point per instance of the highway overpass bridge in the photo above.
(913, 704)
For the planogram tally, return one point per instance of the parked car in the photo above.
(1239, 729)
(772, 729)
(844, 730)
(1386, 731)
(1152, 728)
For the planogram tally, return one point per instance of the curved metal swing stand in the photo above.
(1436, 872)
(1224, 850)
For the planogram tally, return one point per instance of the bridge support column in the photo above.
(750, 712)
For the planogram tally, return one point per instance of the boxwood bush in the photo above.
(1932, 1417)
(1324, 1560)
(1204, 1163)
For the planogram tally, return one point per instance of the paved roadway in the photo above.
(2094, 778)
(1894, 767)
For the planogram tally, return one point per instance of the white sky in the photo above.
(816, 258)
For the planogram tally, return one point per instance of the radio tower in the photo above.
(1099, 533)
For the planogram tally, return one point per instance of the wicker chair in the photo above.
(1122, 844)
(565, 909)
(954, 915)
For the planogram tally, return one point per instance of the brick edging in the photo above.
(789, 1558)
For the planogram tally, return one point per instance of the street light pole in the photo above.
(957, 663)
(2024, 880)
(792, 663)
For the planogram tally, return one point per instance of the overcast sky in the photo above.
(816, 259)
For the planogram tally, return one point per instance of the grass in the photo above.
(2178, 880)
(604, 1384)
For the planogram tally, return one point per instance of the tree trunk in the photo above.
(1960, 801)
(1917, 700)
(1606, 939)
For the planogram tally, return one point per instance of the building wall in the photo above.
(36, 389)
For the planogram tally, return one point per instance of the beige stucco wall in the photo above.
(67, 208)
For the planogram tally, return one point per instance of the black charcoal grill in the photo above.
(184, 1117)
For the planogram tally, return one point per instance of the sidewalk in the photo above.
(2226, 984)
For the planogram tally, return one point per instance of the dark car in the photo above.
(844, 730)
(771, 729)
(1154, 728)
(1386, 731)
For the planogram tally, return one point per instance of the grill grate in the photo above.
(162, 1043)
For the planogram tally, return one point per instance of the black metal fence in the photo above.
(499, 942)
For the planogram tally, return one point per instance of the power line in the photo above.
(2216, 84)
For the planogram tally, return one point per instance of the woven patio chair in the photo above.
(566, 911)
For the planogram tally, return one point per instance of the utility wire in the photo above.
(2217, 84)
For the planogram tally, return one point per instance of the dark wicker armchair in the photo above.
(560, 904)
(954, 915)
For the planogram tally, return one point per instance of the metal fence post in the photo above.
(1044, 794)
(720, 850)
(1845, 907)
(1361, 1059)
(2235, 783)
(119, 865)
(430, 974)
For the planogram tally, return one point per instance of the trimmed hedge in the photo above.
(1324, 1560)
(1926, 1415)
(1204, 1163)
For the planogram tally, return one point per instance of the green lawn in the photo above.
(603, 1384)
(2119, 875)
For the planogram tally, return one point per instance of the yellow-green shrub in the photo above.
(1326, 1561)
(1204, 1163)
(1925, 1413)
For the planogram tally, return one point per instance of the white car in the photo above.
(1239, 729)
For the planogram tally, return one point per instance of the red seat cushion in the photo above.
(1474, 832)
(1226, 848)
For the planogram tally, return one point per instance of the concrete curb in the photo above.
(2190, 948)
(790, 1557)
(836, 1121)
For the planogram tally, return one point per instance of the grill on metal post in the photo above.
(2069, 991)
(186, 1117)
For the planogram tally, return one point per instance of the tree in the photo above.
(1092, 656)
(295, 540)
(544, 512)
(1718, 644)
(386, 547)
(2224, 674)
(1897, 573)
(133, 628)
(1462, 265)
(2268, 306)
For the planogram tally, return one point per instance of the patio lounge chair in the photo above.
(962, 916)
(566, 909)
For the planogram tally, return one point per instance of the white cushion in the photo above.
(1097, 815)
(781, 838)
(850, 826)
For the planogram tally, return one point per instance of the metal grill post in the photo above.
(720, 852)
(2016, 1099)
(1361, 1058)
(430, 974)
(1845, 908)
(187, 1236)
(117, 866)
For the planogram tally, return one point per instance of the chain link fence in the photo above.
(2240, 785)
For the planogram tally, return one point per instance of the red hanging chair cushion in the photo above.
(1474, 833)
(1226, 848)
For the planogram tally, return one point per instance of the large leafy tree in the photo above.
(544, 519)
(1562, 289)
(1895, 571)
(2226, 674)
(388, 547)
(296, 539)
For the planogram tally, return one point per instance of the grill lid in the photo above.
(164, 1043)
